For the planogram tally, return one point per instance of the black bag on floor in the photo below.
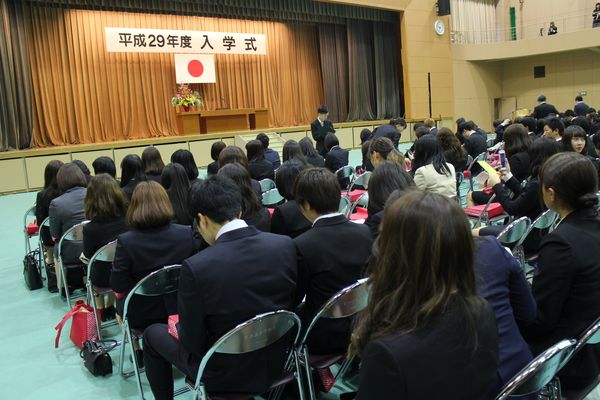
(96, 358)
(51, 278)
(31, 271)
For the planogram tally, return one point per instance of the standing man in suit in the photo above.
(543, 109)
(580, 107)
(320, 127)
(392, 131)
(243, 273)
(331, 256)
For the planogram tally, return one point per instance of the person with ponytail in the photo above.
(566, 286)
(382, 149)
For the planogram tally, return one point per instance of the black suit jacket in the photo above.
(519, 165)
(543, 110)
(336, 158)
(389, 131)
(316, 161)
(435, 362)
(212, 168)
(580, 109)
(319, 132)
(261, 169)
(566, 292)
(140, 252)
(42, 210)
(288, 220)
(96, 235)
(331, 256)
(129, 188)
(243, 274)
(260, 219)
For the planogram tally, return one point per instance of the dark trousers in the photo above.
(161, 353)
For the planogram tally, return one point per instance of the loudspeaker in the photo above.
(443, 7)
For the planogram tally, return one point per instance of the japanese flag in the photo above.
(195, 68)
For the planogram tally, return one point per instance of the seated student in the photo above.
(310, 153)
(392, 131)
(336, 156)
(430, 125)
(430, 170)
(232, 155)
(293, 151)
(84, 168)
(521, 201)
(387, 178)
(474, 144)
(367, 165)
(424, 313)
(382, 149)
(256, 274)
(420, 131)
(104, 165)
(253, 212)
(270, 154)
(516, 144)
(530, 125)
(66, 211)
(594, 122)
(215, 150)
(365, 135)
(42, 205)
(175, 180)
(258, 167)
(105, 206)
(186, 159)
(152, 242)
(331, 256)
(566, 286)
(152, 163)
(132, 173)
(575, 139)
(596, 143)
(287, 218)
(499, 127)
(501, 281)
(459, 130)
(584, 123)
(554, 129)
(454, 153)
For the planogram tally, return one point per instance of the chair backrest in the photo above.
(105, 253)
(535, 375)
(480, 157)
(345, 303)
(590, 336)
(345, 206)
(254, 334)
(344, 172)
(546, 220)
(271, 198)
(74, 233)
(29, 216)
(266, 185)
(362, 201)
(157, 283)
(514, 234)
(361, 180)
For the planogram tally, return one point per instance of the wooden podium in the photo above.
(200, 122)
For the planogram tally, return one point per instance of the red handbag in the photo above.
(83, 327)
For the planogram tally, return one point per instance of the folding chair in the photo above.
(460, 178)
(358, 210)
(74, 233)
(158, 283)
(513, 237)
(345, 207)
(467, 173)
(343, 174)
(360, 180)
(539, 372)
(41, 247)
(545, 221)
(266, 185)
(590, 336)
(254, 334)
(489, 213)
(344, 304)
(271, 198)
(105, 254)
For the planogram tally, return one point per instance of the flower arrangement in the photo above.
(186, 97)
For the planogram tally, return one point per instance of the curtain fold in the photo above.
(361, 74)
(15, 80)
(334, 69)
(474, 21)
(86, 95)
(387, 70)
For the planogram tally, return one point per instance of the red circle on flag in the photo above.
(195, 68)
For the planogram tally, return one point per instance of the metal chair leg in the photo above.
(122, 353)
(136, 368)
(299, 376)
(92, 299)
(63, 275)
(308, 372)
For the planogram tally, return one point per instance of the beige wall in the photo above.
(423, 51)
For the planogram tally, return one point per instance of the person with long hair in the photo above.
(105, 206)
(152, 163)
(287, 218)
(566, 284)
(454, 153)
(215, 151)
(430, 170)
(293, 151)
(382, 149)
(310, 153)
(175, 180)
(388, 177)
(84, 168)
(253, 211)
(42, 205)
(423, 312)
(234, 154)
(132, 173)
(186, 159)
(258, 167)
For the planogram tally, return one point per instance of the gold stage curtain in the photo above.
(82, 94)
